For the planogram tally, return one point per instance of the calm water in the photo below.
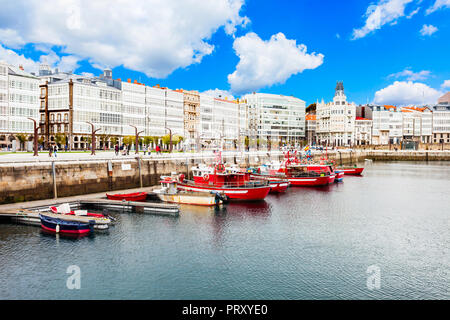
(305, 244)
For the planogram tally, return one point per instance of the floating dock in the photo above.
(155, 208)
(30, 215)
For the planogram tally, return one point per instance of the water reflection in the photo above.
(309, 243)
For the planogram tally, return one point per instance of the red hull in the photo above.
(138, 196)
(276, 184)
(71, 232)
(311, 181)
(278, 187)
(249, 194)
(353, 171)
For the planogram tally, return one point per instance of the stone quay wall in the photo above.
(50, 179)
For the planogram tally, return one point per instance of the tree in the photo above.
(166, 139)
(114, 140)
(148, 140)
(22, 137)
(128, 140)
(60, 138)
(176, 139)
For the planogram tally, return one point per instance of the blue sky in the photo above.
(387, 51)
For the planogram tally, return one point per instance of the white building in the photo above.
(174, 104)
(336, 120)
(363, 131)
(133, 107)
(155, 103)
(441, 120)
(19, 100)
(275, 117)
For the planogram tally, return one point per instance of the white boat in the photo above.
(170, 193)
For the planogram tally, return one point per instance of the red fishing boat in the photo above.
(351, 171)
(136, 196)
(277, 184)
(236, 185)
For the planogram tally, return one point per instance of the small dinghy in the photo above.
(136, 196)
(64, 225)
(65, 209)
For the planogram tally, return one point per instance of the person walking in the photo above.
(55, 150)
(116, 149)
(149, 150)
(50, 150)
(158, 150)
(128, 149)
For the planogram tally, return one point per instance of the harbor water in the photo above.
(310, 243)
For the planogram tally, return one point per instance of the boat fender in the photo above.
(57, 228)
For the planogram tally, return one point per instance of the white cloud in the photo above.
(63, 63)
(386, 11)
(403, 93)
(428, 30)
(11, 39)
(446, 84)
(153, 36)
(411, 75)
(218, 93)
(438, 4)
(264, 63)
(412, 13)
(11, 57)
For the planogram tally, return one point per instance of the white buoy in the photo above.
(57, 228)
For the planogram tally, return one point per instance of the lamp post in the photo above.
(35, 137)
(93, 138)
(170, 136)
(136, 142)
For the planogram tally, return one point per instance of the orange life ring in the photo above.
(206, 177)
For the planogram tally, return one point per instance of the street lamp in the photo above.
(136, 143)
(93, 138)
(35, 137)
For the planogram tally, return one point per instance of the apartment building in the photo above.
(441, 120)
(275, 118)
(19, 100)
(336, 120)
(191, 104)
(363, 131)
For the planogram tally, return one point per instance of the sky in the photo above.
(386, 51)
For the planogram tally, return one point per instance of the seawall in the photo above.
(38, 180)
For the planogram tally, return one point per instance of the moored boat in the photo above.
(170, 193)
(65, 209)
(136, 196)
(352, 171)
(299, 175)
(65, 225)
(235, 185)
